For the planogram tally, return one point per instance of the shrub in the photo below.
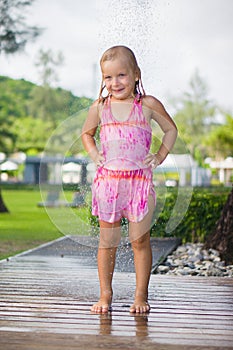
(200, 218)
(195, 222)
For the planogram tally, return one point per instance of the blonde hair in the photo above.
(115, 52)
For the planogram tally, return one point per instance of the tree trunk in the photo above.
(221, 238)
(3, 208)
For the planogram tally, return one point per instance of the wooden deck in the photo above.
(45, 303)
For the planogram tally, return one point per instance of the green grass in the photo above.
(27, 225)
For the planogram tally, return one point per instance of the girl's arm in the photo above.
(160, 115)
(88, 132)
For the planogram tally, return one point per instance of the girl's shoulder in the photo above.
(155, 107)
(95, 103)
(96, 106)
(152, 102)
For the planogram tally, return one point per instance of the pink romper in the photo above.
(121, 186)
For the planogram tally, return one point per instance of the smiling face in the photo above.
(119, 78)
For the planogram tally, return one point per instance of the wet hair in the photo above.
(119, 51)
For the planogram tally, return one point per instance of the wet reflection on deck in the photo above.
(45, 304)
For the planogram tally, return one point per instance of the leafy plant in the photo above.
(203, 212)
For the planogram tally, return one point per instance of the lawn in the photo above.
(27, 225)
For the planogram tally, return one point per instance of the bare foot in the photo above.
(104, 304)
(140, 306)
(101, 307)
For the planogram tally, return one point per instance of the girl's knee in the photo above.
(109, 241)
(141, 242)
(110, 235)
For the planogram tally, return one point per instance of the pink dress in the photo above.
(121, 186)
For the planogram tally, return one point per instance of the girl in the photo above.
(123, 184)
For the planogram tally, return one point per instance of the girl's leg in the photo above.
(140, 241)
(109, 239)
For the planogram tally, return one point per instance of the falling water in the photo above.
(131, 23)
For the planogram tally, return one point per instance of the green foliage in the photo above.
(14, 94)
(220, 140)
(202, 214)
(199, 219)
(194, 116)
(33, 133)
(29, 113)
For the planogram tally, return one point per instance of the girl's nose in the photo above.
(115, 81)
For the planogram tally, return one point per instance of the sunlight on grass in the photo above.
(27, 225)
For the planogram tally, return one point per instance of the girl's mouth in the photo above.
(117, 91)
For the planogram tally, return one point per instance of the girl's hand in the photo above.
(153, 160)
(99, 159)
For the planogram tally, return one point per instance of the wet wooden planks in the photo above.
(45, 303)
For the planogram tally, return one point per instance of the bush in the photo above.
(195, 222)
(200, 218)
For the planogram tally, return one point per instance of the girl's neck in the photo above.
(126, 100)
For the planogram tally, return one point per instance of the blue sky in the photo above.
(170, 39)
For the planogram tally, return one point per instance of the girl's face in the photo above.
(119, 78)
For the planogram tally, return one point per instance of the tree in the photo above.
(195, 113)
(221, 238)
(11, 107)
(47, 63)
(33, 135)
(14, 35)
(26, 127)
(220, 140)
(14, 32)
(46, 102)
(7, 137)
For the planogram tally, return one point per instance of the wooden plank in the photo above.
(206, 320)
(118, 329)
(119, 324)
(44, 341)
(50, 298)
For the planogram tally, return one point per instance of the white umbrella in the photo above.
(8, 166)
(71, 167)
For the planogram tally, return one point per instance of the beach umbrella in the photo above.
(71, 166)
(8, 166)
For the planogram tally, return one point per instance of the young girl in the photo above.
(123, 184)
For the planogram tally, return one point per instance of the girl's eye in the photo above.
(121, 74)
(107, 77)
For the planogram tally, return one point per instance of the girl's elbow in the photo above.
(174, 130)
(84, 138)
